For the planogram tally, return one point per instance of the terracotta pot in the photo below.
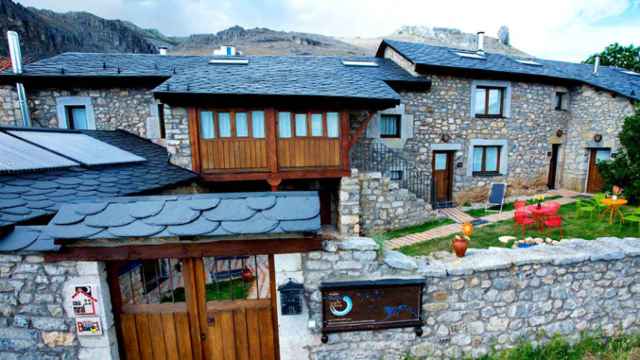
(460, 245)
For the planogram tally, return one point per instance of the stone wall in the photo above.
(592, 112)
(10, 114)
(35, 317)
(370, 202)
(177, 129)
(490, 298)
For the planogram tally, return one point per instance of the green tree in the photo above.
(624, 168)
(627, 57)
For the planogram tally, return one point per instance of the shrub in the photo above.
(624, 167)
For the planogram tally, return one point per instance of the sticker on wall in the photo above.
(84, 301)
(88, 326)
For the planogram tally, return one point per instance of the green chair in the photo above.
(585, 206)
(633, 217)
(597, 200)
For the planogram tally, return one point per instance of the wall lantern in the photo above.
(597, 138)
(291, 298)
(559, 133)
(445, 137)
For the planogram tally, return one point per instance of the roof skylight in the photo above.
(528, 62)
(359, 63)
(229, 61)
(470, 55)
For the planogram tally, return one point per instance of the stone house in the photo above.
(439, 125)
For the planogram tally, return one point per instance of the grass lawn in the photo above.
(588, 348)
(382, 237)
(506, 207)
(223, 290)
(486, 236)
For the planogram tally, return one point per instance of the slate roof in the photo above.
(608, 78)
(28, 238)
(263, 75)
(28, 195)
(209, 215)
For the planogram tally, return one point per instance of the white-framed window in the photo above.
(75, 112)
(490, 99)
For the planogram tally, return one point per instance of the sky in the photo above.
(568, 30)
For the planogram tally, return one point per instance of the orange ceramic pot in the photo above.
(460, 245)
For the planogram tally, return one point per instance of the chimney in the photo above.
(162, 50)
(480, 42)
(16, 64)
(596, 65)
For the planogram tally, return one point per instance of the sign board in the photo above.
(369, 305)
(84, 302)
(88, 326)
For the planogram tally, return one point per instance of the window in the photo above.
(486, 160)
(163, 131)
(206, 125)
(316, 124)
(395, 175)
(440, 162)
(301, 124)
(224, 124)
(284, 124)
(153, 273)
(76, 117)
(489, 101)
(242, 124)
(257, 124)
(389, 126)
(333, 125)
(561, 100)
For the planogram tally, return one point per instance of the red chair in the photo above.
(554, 221)
(521, 218)
(553, 205)
(519, 204)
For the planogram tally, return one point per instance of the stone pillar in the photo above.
(349, 205)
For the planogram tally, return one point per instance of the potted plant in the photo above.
(538, 199)
(616, 192)
(459, 244)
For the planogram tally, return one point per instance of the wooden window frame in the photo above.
(483, 163)
(309, 113)
(232, 116)
(486, 114)
(398, 133)
(68, 111)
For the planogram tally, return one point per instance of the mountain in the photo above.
(440, 36)
(45, 33)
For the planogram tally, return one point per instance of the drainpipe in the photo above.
(480, 42)
(16, 64)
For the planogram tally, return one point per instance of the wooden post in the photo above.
(113, 280)
(272, 149)
(274, 304)
(193, 309)
(194, 138)
(344, 140)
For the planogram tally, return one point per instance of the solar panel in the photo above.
(17, 155)
(79, 147)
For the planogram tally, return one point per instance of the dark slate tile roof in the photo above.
(28, 238)
(609, 78)
(28, 195)
(263, 75)
(223, 214)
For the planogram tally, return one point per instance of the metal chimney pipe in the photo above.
(163, 50)
(596, 65)
(480, 41)
(16, 64)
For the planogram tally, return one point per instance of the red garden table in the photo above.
(539, 213)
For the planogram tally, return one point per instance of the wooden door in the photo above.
(553, 166)
(442, 165)
(595, 182)
(240, 325)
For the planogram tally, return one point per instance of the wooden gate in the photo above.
(218, 308)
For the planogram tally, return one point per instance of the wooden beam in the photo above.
(194, 139)
(272, 142)
(274, 304)
(361, 130)
(315, 173)
(113, 279)
(345, 146)
(182, 251)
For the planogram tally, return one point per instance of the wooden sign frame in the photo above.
(371, 305)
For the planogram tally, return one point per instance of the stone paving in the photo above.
(446, 230)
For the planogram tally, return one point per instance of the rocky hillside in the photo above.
(46, 33)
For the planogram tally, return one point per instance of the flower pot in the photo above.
(247, 275)
(459, 246)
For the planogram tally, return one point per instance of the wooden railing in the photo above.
(233, 154)
(308, 153)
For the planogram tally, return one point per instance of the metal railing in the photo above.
(373, 155)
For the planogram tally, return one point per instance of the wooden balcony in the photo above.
(269, 144)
